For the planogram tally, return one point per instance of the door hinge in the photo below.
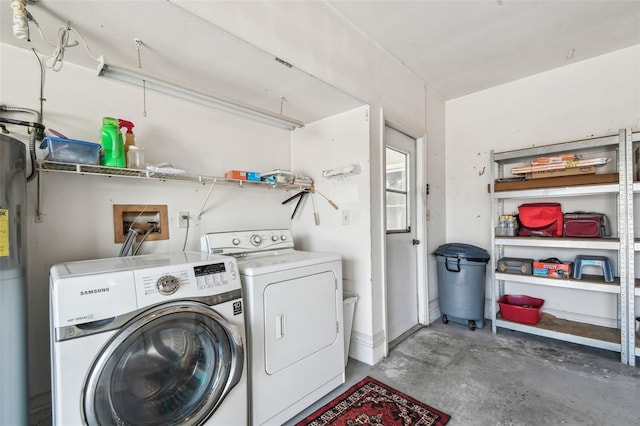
(415, 242)
(428, 189)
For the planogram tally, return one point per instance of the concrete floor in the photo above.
(505, 379)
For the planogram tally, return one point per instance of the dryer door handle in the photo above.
(279, 326)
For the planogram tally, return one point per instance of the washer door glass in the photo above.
(172, 364)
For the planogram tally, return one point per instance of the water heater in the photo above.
(13, 306)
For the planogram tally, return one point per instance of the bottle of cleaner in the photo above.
(112, 143)
(128, 137)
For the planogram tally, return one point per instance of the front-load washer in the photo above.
(294, 320)
(148, 340)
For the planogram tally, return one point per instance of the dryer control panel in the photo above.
(246, 241)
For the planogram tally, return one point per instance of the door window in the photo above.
(168, 367)
(397, 191)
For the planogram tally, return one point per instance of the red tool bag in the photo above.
(540, 220)
(586, 225)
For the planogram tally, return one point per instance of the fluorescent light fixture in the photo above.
(135, 78)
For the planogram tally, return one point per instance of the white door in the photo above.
(401, 261)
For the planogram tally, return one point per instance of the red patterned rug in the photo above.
(373, 403)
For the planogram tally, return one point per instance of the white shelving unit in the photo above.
(633, 143)
(621, 248)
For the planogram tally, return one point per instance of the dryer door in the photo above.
(173, 364)
(301, 318)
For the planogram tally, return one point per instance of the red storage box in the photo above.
(524, 309)
(552, 269)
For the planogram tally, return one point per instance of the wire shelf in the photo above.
(90, 169)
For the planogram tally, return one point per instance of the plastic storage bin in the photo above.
(523, 309)
(349, 307)
(71, 151)
(462, 272)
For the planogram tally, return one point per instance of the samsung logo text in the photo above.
(94, 291)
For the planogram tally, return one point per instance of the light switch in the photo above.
(346, 217)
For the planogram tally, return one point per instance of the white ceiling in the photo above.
(177, 46)
(457, 47)
(461, 47)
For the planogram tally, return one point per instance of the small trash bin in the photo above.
(349, 307)
(461, 283)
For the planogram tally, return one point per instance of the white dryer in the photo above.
(294, 320)
(148, 340)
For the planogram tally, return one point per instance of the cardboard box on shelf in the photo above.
(585, 170)
(236, 174)
(553, 159)
(255, 176)
(555, 182)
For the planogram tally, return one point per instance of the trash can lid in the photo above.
(464, 251)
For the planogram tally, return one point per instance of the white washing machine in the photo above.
(294, 320)
(148, 340)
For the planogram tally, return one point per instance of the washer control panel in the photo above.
(101, 289)
(167, 284)
(246, 241)
(197, 279)
(215, 274)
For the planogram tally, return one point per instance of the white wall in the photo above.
(592, 97)
(311, 36)
(436, 214)
(316, 39)
(332, 143)
(77, 216)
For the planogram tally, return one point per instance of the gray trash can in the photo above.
(461, 283)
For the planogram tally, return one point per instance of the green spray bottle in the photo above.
(112, 143)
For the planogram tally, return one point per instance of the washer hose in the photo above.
(128, 242)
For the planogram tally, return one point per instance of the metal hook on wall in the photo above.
(138, 44)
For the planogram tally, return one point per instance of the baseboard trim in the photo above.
(366, 348)
(434, 310)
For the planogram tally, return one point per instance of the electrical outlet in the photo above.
(183, 219)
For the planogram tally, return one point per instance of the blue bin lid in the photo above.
(464, 251)
(45, 142)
